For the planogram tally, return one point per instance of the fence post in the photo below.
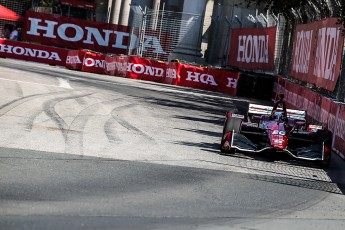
(228, 41)
(142, 33)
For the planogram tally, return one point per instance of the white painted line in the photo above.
(34, 83)
(64, 83)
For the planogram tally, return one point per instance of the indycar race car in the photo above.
(276, 131)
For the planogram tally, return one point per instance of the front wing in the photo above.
(312, 152)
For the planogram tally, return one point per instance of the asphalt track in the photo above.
(86, 151)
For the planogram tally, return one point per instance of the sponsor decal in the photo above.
(314, 128)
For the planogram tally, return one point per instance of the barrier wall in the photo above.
(174, 73)
(319, 109)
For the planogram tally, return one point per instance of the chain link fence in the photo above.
(285, 37)
(309, 13)
(18, 7)
(157, 34)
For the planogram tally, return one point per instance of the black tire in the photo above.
(323, 165)
(324, 137)
(231, 124)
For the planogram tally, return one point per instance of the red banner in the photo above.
(93, 62)
(212, 79)
(83, 34)
(121, 66)
(116, 65)
(226, 81)
(32, 52)
(75, 59)
(253, 48)
(75, 33)
(329, 111)
(317, 53)
(145, 69)
(339, 139)
(172, 73)
(195, 77)
(109, 65)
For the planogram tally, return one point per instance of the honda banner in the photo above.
(116, 65)
(317, 53)
(33, 52)
(145, 69)
(172, 73)
(75, 33)
(226, 81)
(75, 59)
(93, 62)
(253, 48)
(208, 79)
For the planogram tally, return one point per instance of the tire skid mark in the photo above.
(30, 121)
(49, 110)
(74, 143)
(19, 90)
(112, 137)
(81, 101)
(32, 118)
(5, 108)
(125, 123)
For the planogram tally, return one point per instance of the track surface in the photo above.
(80, 150)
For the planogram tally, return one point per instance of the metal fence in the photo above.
(163, 32)
(306, 14)
(17, 6)
(249, 18)
(286, 25)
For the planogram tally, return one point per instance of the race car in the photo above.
(276, 130)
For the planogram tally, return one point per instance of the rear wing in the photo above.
(255, 109)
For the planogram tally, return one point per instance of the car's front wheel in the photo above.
(231, 126)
